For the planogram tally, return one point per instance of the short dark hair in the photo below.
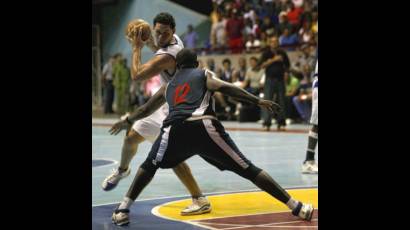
(254, 58)
(186, 58)
(226, 60)
(166, 19)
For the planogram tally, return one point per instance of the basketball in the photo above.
(134, 25)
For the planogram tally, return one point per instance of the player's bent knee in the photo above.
(251, 172)
(149, 166)
(133, 138)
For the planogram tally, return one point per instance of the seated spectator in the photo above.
(263, 41)
(305, 34)
(307, 57)
(253, 78)
(267, 26)
(226, 73)
(288, 40)
(210, 64)
(242, 68)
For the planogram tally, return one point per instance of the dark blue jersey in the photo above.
(188, 96)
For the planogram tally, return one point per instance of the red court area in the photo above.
(276, 221)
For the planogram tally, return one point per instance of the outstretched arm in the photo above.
(143, 111)
(214, 84)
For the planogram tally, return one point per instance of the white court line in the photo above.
(105, 159)
(269, 225)
(248, 226)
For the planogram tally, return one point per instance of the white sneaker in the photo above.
(198, 206)
(120, 217)
(310, 167)
(112, 180)
(305, 212)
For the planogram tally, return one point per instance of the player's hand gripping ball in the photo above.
(132, 30)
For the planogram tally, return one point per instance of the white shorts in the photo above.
(150, 127)
(315, 105)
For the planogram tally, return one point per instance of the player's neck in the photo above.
(172, 42)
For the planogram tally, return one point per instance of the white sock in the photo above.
(292, 204)
(126, 203)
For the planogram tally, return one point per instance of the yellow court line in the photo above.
(236, 204)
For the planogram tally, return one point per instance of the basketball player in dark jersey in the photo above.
(191, 128)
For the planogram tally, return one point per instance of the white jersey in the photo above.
(172, 49)
(149, 127)
(315, 98)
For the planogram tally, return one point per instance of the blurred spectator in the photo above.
(214, 13)
(268, 6)
(218, 34)
(264, 41)
(242, 68)
(306, 16)
(288, 40)
(297, 3)
(308, 57)
(252, 44)
(306, 35)
(248, 27)
(234, 27)
(191, 38)
(303, 100)
(283, 23)
(292, 85)
(294, 14)
(226, 74)
(253, 77)
(267, 26)
(314, 22)
(107, 78)
(256, 31)
(210, 64)
(276, 63)
(121, 83)
(249, 13)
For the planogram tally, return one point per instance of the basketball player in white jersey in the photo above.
(309, 165)
(166, 48)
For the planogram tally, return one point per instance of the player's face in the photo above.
(163, 34)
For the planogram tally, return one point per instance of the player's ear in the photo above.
(196, 64)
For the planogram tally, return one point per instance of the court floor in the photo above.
(279, 153)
